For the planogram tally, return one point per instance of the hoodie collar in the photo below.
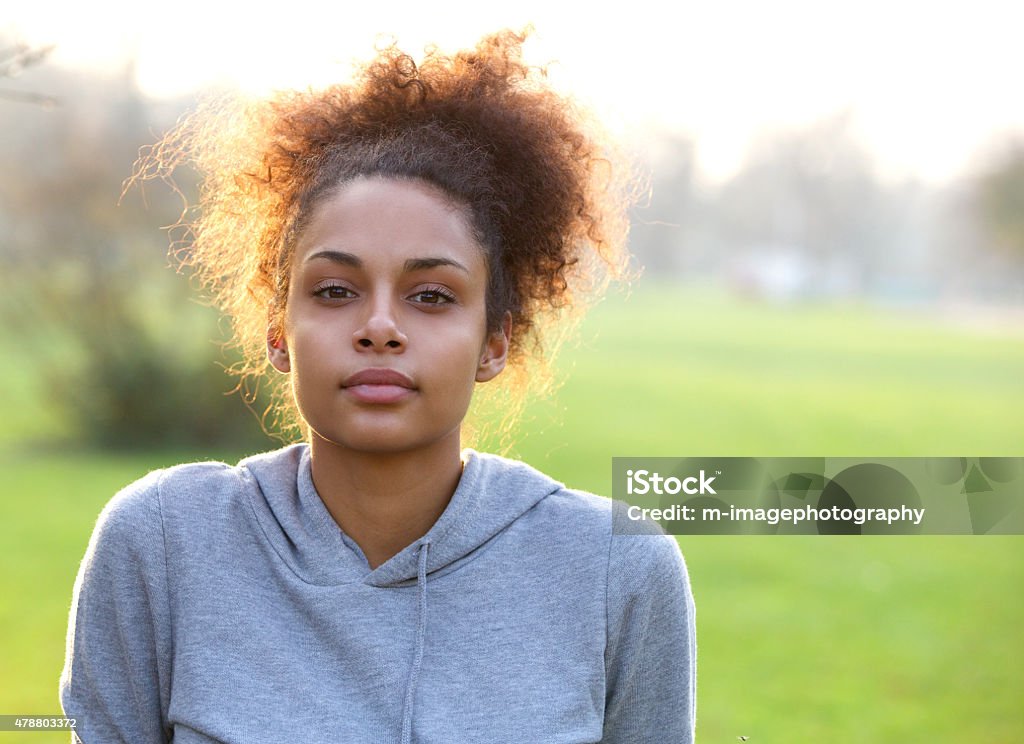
(492, 493)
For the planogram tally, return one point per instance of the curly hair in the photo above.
(545, 202)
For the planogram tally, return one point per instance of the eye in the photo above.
(433, 296)
(333, 292)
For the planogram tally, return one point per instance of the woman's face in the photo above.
(385, 331)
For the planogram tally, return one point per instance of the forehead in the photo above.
(382, 220)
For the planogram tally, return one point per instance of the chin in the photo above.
(384, 441)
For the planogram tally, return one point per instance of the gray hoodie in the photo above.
(224, 604)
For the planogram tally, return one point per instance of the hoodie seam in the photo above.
(244, 474)
(607, 616)
(165, 724)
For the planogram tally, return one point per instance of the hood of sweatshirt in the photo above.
(492, 493)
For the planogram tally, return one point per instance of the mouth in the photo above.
(378, 385)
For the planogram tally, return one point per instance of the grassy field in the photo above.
(802, 639)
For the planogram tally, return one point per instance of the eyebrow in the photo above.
(411, 264)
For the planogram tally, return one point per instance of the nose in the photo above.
(380, 330)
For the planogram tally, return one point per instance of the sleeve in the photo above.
(116, 677)
(651, 656)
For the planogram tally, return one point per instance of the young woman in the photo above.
(386, 246)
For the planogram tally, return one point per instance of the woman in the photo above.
(386, 246)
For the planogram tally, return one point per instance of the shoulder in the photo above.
(194, 488)
(640, 542)
(646, 564)
(582, 508)
(140, 502)
(583, 519)
(553, 501)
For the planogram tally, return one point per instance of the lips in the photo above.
(378, 376)
(378, 385)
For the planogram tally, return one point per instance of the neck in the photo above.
(385, 501)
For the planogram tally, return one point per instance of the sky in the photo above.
(929, 86)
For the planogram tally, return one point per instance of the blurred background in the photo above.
(832, 263)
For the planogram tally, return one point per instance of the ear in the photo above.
(495, 351)
(277, 351)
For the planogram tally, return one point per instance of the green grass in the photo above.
(872, 639)
(679, 372)
(885, 639)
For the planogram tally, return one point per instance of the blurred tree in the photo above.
(14, 59)
(812, 193)
(999, 199)
(116, 341)
(666, 223)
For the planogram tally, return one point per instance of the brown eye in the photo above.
(334, 292)
(433, 296)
